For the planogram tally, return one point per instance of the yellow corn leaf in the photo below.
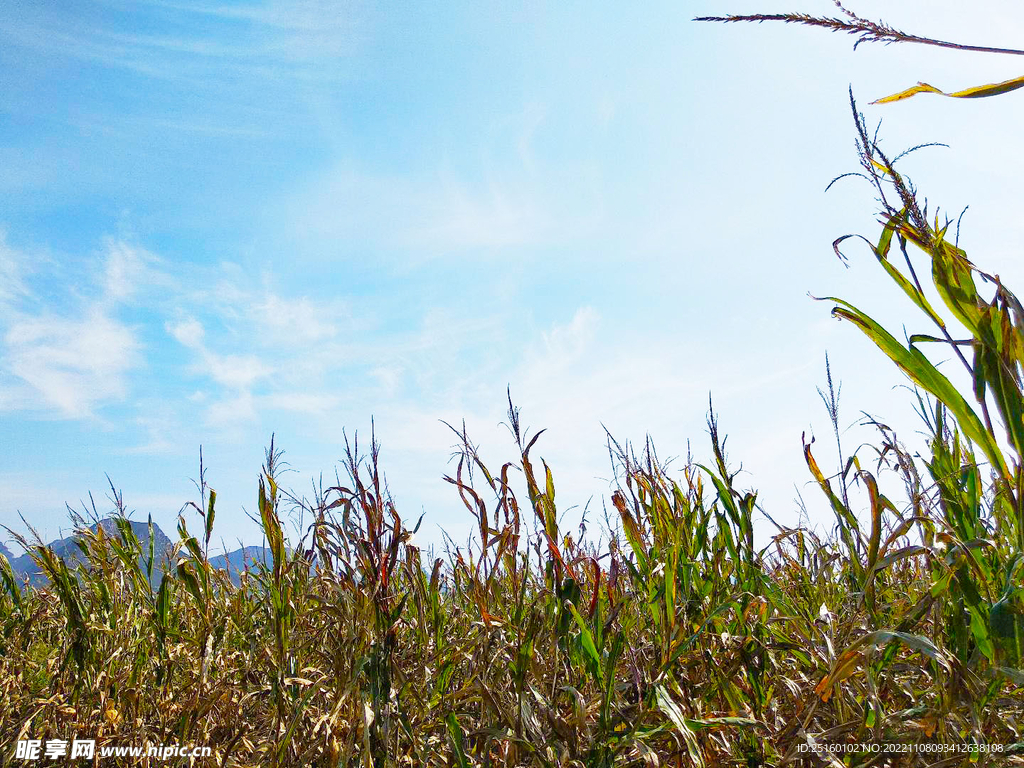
(845, 666)
(978, 92)
(929, 724)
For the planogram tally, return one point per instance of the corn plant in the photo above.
(681, 635)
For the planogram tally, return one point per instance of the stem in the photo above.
(869, 31)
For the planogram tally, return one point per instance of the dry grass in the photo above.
(676, 641)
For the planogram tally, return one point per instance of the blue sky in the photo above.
(222, 221)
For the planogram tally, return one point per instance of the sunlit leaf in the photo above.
(981, 91)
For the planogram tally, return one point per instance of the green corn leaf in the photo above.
(443, 681)
(458, 739)
(849, 528)
(210, 515)
(923, 373)
(300, 710)
(1007, 625)
(632, 532)
(10, 582)
(152, 550)
(1016, 675)
(720, 722)
(951, 273)
(918, 643)
(896, 223)
(996, 370)
(549, 482)
(163, 600)
(188, 578)
(671, 709)
(194, 549)
(587, 641)
(878, 505)
(900, 554)
(980, 630)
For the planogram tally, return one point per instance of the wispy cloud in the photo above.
(460, 216)
(307, 29)
(128, 270)
(232, 410)
(270, 40)
(506, 197)
(71, 365)
(297, 320)
(12, 283)
(282, 348)
(210, 74)
(158, 425)
(238, 372)
(436, 214)
(71, 362)
(307, 403)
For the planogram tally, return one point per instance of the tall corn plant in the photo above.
(369, 545)
(973, 546)
(695, 569)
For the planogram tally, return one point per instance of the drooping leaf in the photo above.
(923, 373)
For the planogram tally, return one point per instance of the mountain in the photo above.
(68, 550)
(241, 559)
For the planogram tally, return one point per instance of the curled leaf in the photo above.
(978, 92)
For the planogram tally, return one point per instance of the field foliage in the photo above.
(679, 639)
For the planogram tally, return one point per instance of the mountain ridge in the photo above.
(68, 550)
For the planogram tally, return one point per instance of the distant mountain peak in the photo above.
(68, 550)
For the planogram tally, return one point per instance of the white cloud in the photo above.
(298, 321)
(294, 38)
(71, 362)
(563, 343)
(309, 403)
(12, 285)
(232, 371)
(189, 333)
(461, 216)
(389, 377)
(308, 30)
(72, 365)
(127, 269)
(235, 371)
(232, 410)
(158, 440)
(438, 211)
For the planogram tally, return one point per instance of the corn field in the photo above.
(679, 639)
